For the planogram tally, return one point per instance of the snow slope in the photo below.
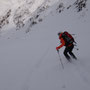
(29, 61)
(21, 11)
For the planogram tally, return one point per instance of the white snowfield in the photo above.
(29, 61)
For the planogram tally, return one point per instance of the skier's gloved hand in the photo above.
(56, 48)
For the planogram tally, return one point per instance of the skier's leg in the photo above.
(66, 55)
(71, 53)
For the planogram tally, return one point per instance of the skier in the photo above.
(66, 40)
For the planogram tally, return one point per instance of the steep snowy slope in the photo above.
(21, 11)
(29, 61)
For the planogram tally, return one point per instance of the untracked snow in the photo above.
(29, 61)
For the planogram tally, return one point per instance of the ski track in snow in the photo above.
(82, 71)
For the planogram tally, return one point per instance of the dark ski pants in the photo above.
(69, 50)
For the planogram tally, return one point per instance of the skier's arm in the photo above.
(62, 44)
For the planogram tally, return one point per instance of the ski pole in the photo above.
(76, 48)
(60, 59)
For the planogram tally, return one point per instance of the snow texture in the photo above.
(28, 56)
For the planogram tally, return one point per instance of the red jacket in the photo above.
(62, 42)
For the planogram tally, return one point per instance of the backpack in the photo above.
(67, 38)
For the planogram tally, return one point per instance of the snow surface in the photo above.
(29, 61)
